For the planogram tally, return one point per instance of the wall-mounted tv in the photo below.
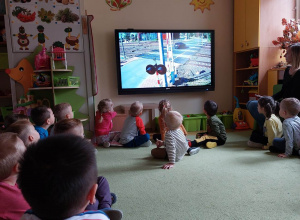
(159, 61)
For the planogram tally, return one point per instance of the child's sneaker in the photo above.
(115, 144)
(113, 198)
(193, 150)
(211, 145)
(106, 144)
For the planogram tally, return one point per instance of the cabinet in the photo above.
(246, 24)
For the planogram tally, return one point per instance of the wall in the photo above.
(163, 14)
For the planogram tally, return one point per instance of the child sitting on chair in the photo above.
(175, 142)
(290, 144)
(43, 118)
(216, 133)
(103, 125)
(13, 204)
(25, 130)
(133, 133)
(58, 178)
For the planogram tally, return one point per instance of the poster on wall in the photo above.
(45, 22)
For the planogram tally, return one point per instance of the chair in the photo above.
(113, 214)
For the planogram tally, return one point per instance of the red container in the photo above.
(254, 62)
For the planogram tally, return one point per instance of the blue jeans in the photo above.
(259, 118)
(137, 141)
(278, 145)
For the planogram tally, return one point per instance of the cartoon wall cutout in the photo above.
(22, 74)
(23, 14)
(66, 16)
(41, 36)
(23, 38)
(46, 16)
(65, 2)
(71, 40)
(201, 4)
(117, 5)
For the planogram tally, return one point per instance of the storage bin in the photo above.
(227, 121)
(67, 81)
(192, 122)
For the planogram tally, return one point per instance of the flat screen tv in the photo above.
(159, 61)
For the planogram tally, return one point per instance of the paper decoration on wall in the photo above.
(23, 1)
(46, 16)
(71, 40)
(41, 36)
(23, 14)
(65, 2)
(117, 5)
(22, 74)
(201, 4)
(66, 16)
(23, 38)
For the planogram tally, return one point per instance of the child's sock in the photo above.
(211, 145)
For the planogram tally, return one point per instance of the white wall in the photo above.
(163, 14)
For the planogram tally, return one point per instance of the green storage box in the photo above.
(227, 121)
(192, 122)
(67, 81)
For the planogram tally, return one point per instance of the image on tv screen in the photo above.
(165, 59)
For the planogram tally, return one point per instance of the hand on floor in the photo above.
(168, 166)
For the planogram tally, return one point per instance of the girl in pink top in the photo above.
(103, 125)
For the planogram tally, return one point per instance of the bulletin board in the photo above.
(45, 22)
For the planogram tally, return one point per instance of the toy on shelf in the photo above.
(252, 81)
(238, 117)
(58, 54)
(41, 79)
(42, 60)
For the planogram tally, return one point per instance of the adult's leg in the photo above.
(278, 145)
(260, 118)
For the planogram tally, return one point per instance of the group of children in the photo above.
(56, 175)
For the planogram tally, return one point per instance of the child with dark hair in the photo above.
(12, 118)
(43, 118)
(25, 130)
(290, 144)
(69, 126)
(12, 204)
(133, 133)
(216, 133)
(58, 178)
(62, 111)
(272, 127)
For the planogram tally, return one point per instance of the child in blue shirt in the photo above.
(43, 118)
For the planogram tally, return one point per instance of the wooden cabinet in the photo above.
(246, 24)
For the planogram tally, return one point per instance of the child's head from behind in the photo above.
(267, 105)
(62, 169)
(63, 111)
(69, 126)
(12, 118)
(164, 107)
(210, 107)
(105, 105)
(295, 55)
(42, 115)
(11, 151)
(136, 108)
(25, 131)
(173, 120)
(289, 107)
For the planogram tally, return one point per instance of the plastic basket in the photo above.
(192, 122)
(67, 81)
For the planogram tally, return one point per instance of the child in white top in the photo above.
(272, 126)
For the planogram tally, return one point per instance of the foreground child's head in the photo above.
(173, 120)
(289, 107)
(210, 108)
(58, 176)
(62, 111)
(25, 131)
(69, 126)
(267, 106)
(11, 151)
(42, 116)
(136, 109)
(105, 105)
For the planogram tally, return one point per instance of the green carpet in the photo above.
(226, 182)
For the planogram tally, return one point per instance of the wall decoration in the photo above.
(23, 1)
(66, 16)
(23, 14)
(23, 38)
(41, 36)
(71, 40)
(201, 4)
(65, 2)
(117, 5)
(46, 16)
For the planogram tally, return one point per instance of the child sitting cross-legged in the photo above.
(58, 178)
(12, 202)
(290, 144)
(25, 130)
(216, 133)
(133, 133)
(43, 118)
(175, 142)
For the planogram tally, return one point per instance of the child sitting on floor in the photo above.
(58, 178)
(69, 126)
(12, 204)
(25, 130)
(175, 142)
(216, 133)
(43, 118)
(164, 107)
(290, 144)
(272, 126)
(62, 111)
(133, 133)
(12, 118)
(103, 125)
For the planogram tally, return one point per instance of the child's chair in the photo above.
(58, 54)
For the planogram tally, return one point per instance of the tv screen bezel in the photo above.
(153, 90)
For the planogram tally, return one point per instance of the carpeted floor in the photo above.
(226, 182)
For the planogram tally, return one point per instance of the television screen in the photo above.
(157, 61)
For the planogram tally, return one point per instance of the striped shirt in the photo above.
(176, 145)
